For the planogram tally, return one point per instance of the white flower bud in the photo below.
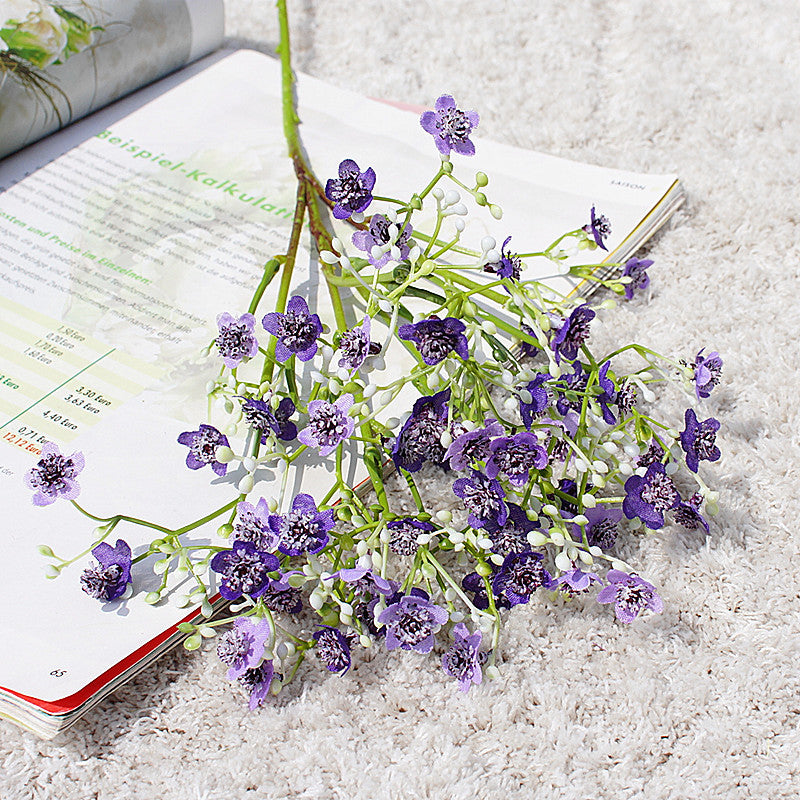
(589, 500)
(245, 485)
(563, 562)
(536, 538)
(444, 516)
(488, 243)
(224, 454)
(328, 257)
(438, 193)
(493, 256)
(557, 538)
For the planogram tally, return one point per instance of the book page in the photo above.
(119, 255)
(132, 43)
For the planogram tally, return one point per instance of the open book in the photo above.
(122, 239)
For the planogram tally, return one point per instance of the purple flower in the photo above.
(463, 660)
(244, 570)
(630, 594)
(561, 433)
(450, 127)
(203, 444)
(599, 228)
(625, 398)
(568, 487)
(687, 513)
(649, 496)
(635, 268)
(333, 647)
(328, 424)
(602, 527)
(512, 535)
(380, 234)
(351, 192)
(236, 342)
(355, 346)
(252, 525)
(412, 622)
(107, 580)
(699, 440)
(280, 597)
(242, 646)
(483, 498)
(297, 330)
(515, 456)
(707, 371)
(574, 381)
(572, 333)
(54, 475)
(539, 399)
(526, 348)
(260, 415)
(257, 681)
(475, 585)
(419, 438)
(365, 581)
(304, 529)
(608, 394)
(575, 581)
(508, 266)
(520, 576)
(404, 534)
(655, 452)
(472, 446)
(436, 338)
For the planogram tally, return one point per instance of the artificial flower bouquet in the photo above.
(551, 449)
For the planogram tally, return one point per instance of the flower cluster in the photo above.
(551, 451)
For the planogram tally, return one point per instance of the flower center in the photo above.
(297, 331)
(659, 492)
(245, 571)
(434, 342)
(329, 425)
(413, 625)
(234, 647)
(97, 581)
(460, 660)
(300, 531)
(515, 459)
(453, 124)
(49, 474)
(234, 341)
(331, 651)
(481, 500)
(526, 576)
(704, 442)
(632, 596)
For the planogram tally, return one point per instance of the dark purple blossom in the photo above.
(508, 266)
(520, 576)
(512, 535)
(404, 534)
(355, 346)
(252, 525)
(257, 682)
(380, 234)
(203, 444)
(515, 456)
(630, 595)
(463, 659)
(654, 453)
(297, 330)
(599, 228)
(602, 527)
(260, 414)
(626, 398)
(483, 498)
(526, 348)
(419, 438)
(236, 341)
(568, 487)
(608, 394)
(412, 622)
(698, 440)
(540, 398)
(333, 648)
(476, 585)
(574, 381)
(54, 476)
(280, 597)
(707, 371)
(304, 529)
(572, 333)
(636, 269)
(328, 424)
(242, 646)
(687, 513)
(575, 581)
(436, 338)
(243, 570)
(649, 496)
(351, 192)
(108, 580)
(450, 127)
(472, 446)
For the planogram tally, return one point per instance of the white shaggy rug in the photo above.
(701, 701)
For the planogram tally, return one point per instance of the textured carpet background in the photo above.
(703, 700)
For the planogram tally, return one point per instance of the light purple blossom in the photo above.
(602, 527)
(520, 576)
(328, 424)
(630, 595)
(450, 126)
(109, 579)
(54, 475)
(351, 192)
(242, 646)
(650, 495)
(236, 341)
(257, 682)
(203, 444)
(304, 529)
(483, 498)
(707, 371)
(515, 456)
(260, 414)
(252, 525)
(404, 533)
(296, 331)
(412, 622)
(355, 346)
(472, 446)
(436, 338)
(575, 581)
(365, 580)
(698, 440)
(380, 235)
(463, 659)
(687, 513)
(636, 270)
